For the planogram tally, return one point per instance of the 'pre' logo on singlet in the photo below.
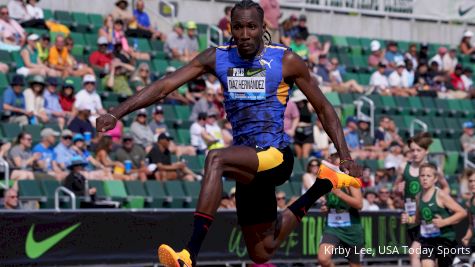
(247, 83)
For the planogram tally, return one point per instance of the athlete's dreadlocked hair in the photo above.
(248, 4)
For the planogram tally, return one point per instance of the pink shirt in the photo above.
(291, 112)
(116, 133)
(271, 12)
(10, 29)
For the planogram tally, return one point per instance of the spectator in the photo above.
(101, 59)
(175, 45)
(116, 133)
(310, 175)
(321, 143)
(393, 134)
(120, 40)
(392, 55)
(204, 105)
(165, 170)
(18, 11)
(66, 96)
(322, 68)
(398, 82)
(213, 129)
(63, 150)
(351, 134)
(10, 199)
(77, 68)
(369, 202)
(141, 131)
(439, 58)
(377, 54)
(157, 125)
(43, 47)
(144, 27)
(191, 42)
(315, 48)
(48, 157)
(212, 82)
(107, 31)
(228, 201)
(467, 140)
(88, 98)
(384, 200)
(82, 123)
(303, 139)
(199, 136)
(449, 61)
(467, 79)
(52, 106)
(299, 46)
(141, 75)
(411, 55)
(15, 174)
(120, 12)
(77, 182)
(60, 59)
(367, 179)
(456, 79)
(466, 44)
(281, 199)
(30, 63)
(134, 153)
(36, 15)
(437, 77)
(301, 27)
(79, 149)
(34, 100)
(4, 68)
(366, 140)
(272, 15)
(103, 150)
(424, 52)
(118, 79)
(182, 95)
(337, 83)
(13, 35)
(286, 30)
(291, 118)
(381, 135)
(225, 23)
(394, 158)
(14, 102)
(409, 73)
(379, 80)
(22, 158)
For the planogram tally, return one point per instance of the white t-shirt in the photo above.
(396, 80)
(437, 58)
(380, 80)
(196, 139)
(467, 82)
(35, 12)
(86, 100)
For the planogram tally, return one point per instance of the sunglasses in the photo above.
(4, 13)
(313, 165)
(89, 83)
(144, 70)
(13, 197)
(281, 198)
(67, 137)
(28, 139)
(384, 192)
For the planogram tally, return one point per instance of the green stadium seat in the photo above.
(11, 130)
(451, 162)
(192, 189)
(366, 43)
(3, 81)
(333, 98)
(416, 106)
(340, 41)
(175, 190)
(356, 51)
(364, 78)
(390, 105)
(454, 127)
(457, 107)
(354, 42)
(156, 191)
(96, 19)
(78, 39)
(182, 112)
(403, 105)
(298, 169)
(350, 76)
(184, 136)
(18, 61)
(91, 40)
(436, 147)
(64, 17)
(116, 191)
(35, 131)
(77, 82)
(48, 14)
(31, 190)
(193, 163)
(202, 28)
(6, 57)
(360, 62)
(228, 185)
(49, 187)
(442, 106)
(81, 19)
(296, 187)
(202, 42)
(160, 66)
(287, 189)
(176, 63)
(451, 145)
(157, 45)
(429, 104)
(439, 127)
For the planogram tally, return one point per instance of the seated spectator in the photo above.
(466, 44)
(439, 58)
(369, 202)
(228, 201)
(367, 179)
(336, 81)
(224, 23)
(411, 55)
(196, 89)
(134, 153)
(34, 100)
(141, 131)
(377, 55)
(281, 199)
(286, 29)
(13, 36)
(467, 79)
(213, 129)
(60, 59)
(78, 68)
(81, 123)
(118, 79)
(116, 133)
(392, 55)
(191, 42)
(367, 148)
(15, 174)
(450, 61)
(393, 134)
(36, 15)
(94, 169)
(88, 98)
(107, 31)
(394, 159)
(199, 136)
(52, 106)
(409, 73)
(76, 182)
(379, 80)
(165, 170)
(141, 77)
(438, 78)
(118, 38)
(303, 139)
(315, 48)
(30, 63)
(18, 11)
(120, 12)
(322, 69)
(384, 201)
(101, 58)
(63, 149)
(310, 175)
(381, 135)
(14, 102)
(299, 46)
(157, 125)
(204, 105)
(321, 140)
(4, 68)
(48, 157)
(176, 43)
(43, 47)
(23, 158)
(66, 96)
(10, 199)
(144, 27)
(351, 135)
(103, 151)
(398, 82)
(456, 79)
(291, 118)
(467, 140)
(301, 28)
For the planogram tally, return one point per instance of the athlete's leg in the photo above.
(325, 255)
(352, 264)
(428, 263)
(306, 149)
(415, 258)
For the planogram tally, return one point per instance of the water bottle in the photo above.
(136, 44)
(128, 166)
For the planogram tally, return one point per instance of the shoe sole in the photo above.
(332, 173)
(167, 256)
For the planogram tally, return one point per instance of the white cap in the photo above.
(33, 37)
(400, 63)
(102, 40)
(170, 69)
(468, 33)
(89, 78)
(375, 45)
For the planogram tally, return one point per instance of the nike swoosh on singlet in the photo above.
(251, 73)
(462, 12)
(35, 249)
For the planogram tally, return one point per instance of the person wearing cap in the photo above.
(34, 100)
(166, 170)
(63, 149)
(379, 80)
(255, 95)
(449, 61)
(158, 125)
(94, 169)
(393, 55)
(30, 63)
(213, 129)
(88, 99)
(81, 123)
(135, 153)
(76, 182)
(176, 44)
(394, 158)
(191, 41)
(399, 82)
(465, 45)
(301, 28)
(101, 58)
(144, 27)
(14, 102)
(204, 105)
(122, 12)
(377, 54)
(52, 106)
(467, 140)
(13, 35)
(66, 95)
(141, 131)
(118, 78)
(48, 157)
(199, 136)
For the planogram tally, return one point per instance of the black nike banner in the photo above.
(95, 237)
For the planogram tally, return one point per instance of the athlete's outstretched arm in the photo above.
(294, 68)
(158, 90)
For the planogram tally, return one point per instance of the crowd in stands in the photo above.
(54, 89)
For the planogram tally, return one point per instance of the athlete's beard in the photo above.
(254, 54)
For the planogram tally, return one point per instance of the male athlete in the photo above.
(257, 76)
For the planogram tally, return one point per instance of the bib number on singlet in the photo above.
(429, 230)
(247, 83)
(339, 219)
(410, 208)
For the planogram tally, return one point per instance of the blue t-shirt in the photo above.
(47, 155)
(393, 56)
(352, 140)
(13, 99)
(64, 154)
(142, 18)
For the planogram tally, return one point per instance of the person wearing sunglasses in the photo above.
(63, 148)
(10, 199)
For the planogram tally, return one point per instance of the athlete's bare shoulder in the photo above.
(293, 66)
(206, 59)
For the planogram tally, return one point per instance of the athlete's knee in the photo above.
(215, 158)
(324, 259)
(259, 257)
